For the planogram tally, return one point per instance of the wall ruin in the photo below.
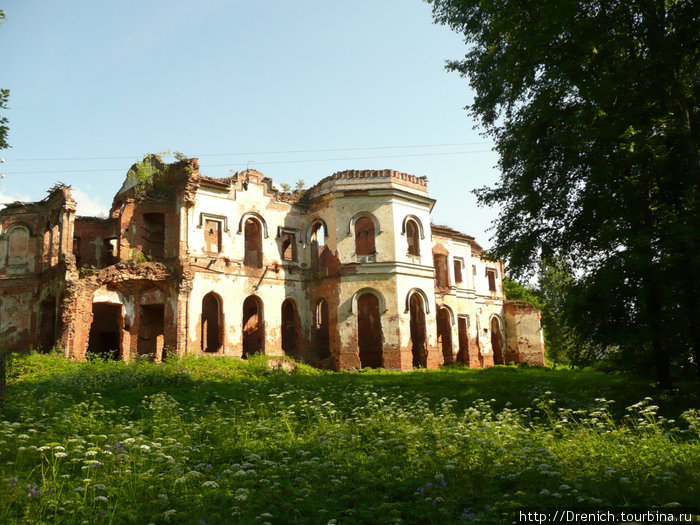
(350, 273)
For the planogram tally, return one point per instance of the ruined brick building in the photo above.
(349, 273)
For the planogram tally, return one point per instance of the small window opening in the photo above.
(458, 270)
(154, 235)
(212, 236)
(442, 276)
(289, 247)
(491, 274)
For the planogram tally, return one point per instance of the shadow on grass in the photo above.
(203, 380)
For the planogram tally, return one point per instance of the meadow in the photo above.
(218, 440)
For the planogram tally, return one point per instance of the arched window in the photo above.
(253, 244)
(318, 234)
(317, 243)
(413, 238)
(364, 236)
(18, 245)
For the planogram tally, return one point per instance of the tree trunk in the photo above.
(662, 362)
(3, 371)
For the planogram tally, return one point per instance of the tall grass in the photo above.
(208, 441)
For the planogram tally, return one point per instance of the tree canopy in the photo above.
(593, 108)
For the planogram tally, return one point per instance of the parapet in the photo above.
(370, 179)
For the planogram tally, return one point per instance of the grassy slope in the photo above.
(219, 440)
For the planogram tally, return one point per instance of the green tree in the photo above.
(593, 108)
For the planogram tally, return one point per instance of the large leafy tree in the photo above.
(593, 108)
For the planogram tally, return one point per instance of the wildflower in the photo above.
(468, 515)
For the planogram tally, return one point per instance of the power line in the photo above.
(100, 170)
(131, 157)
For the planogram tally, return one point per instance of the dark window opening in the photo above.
(253, 327)
(289, 247)
(317, 245)
(444, 331)
(151, 331)
(322, 335)
(291, 327)
(111, 253)
(491, 274)
(369, 331)
(212, 327)
(442, 276)
(154, 235)
(458, 271)
(212, 236)
(413, 238)
(76, 250)
(364, 236)
(253, 244)
(497, 343)
(105, 331)
(55, 244)
(47, 329)
(417, 321)
(462, 329)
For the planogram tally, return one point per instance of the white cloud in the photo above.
(7, 198)
(88, 206)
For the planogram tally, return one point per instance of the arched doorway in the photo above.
(444, 330)
(417, 315)
(369, 330)
(322, 332)
(497, 342)
(253, 326)
(291, 327)
(211, 323)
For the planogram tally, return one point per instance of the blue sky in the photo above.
(97, 84)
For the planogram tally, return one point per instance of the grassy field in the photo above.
(217, 440)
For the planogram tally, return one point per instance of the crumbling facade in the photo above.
(347, 274)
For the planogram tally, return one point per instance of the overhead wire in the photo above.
(263, 163)
(318, 150)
